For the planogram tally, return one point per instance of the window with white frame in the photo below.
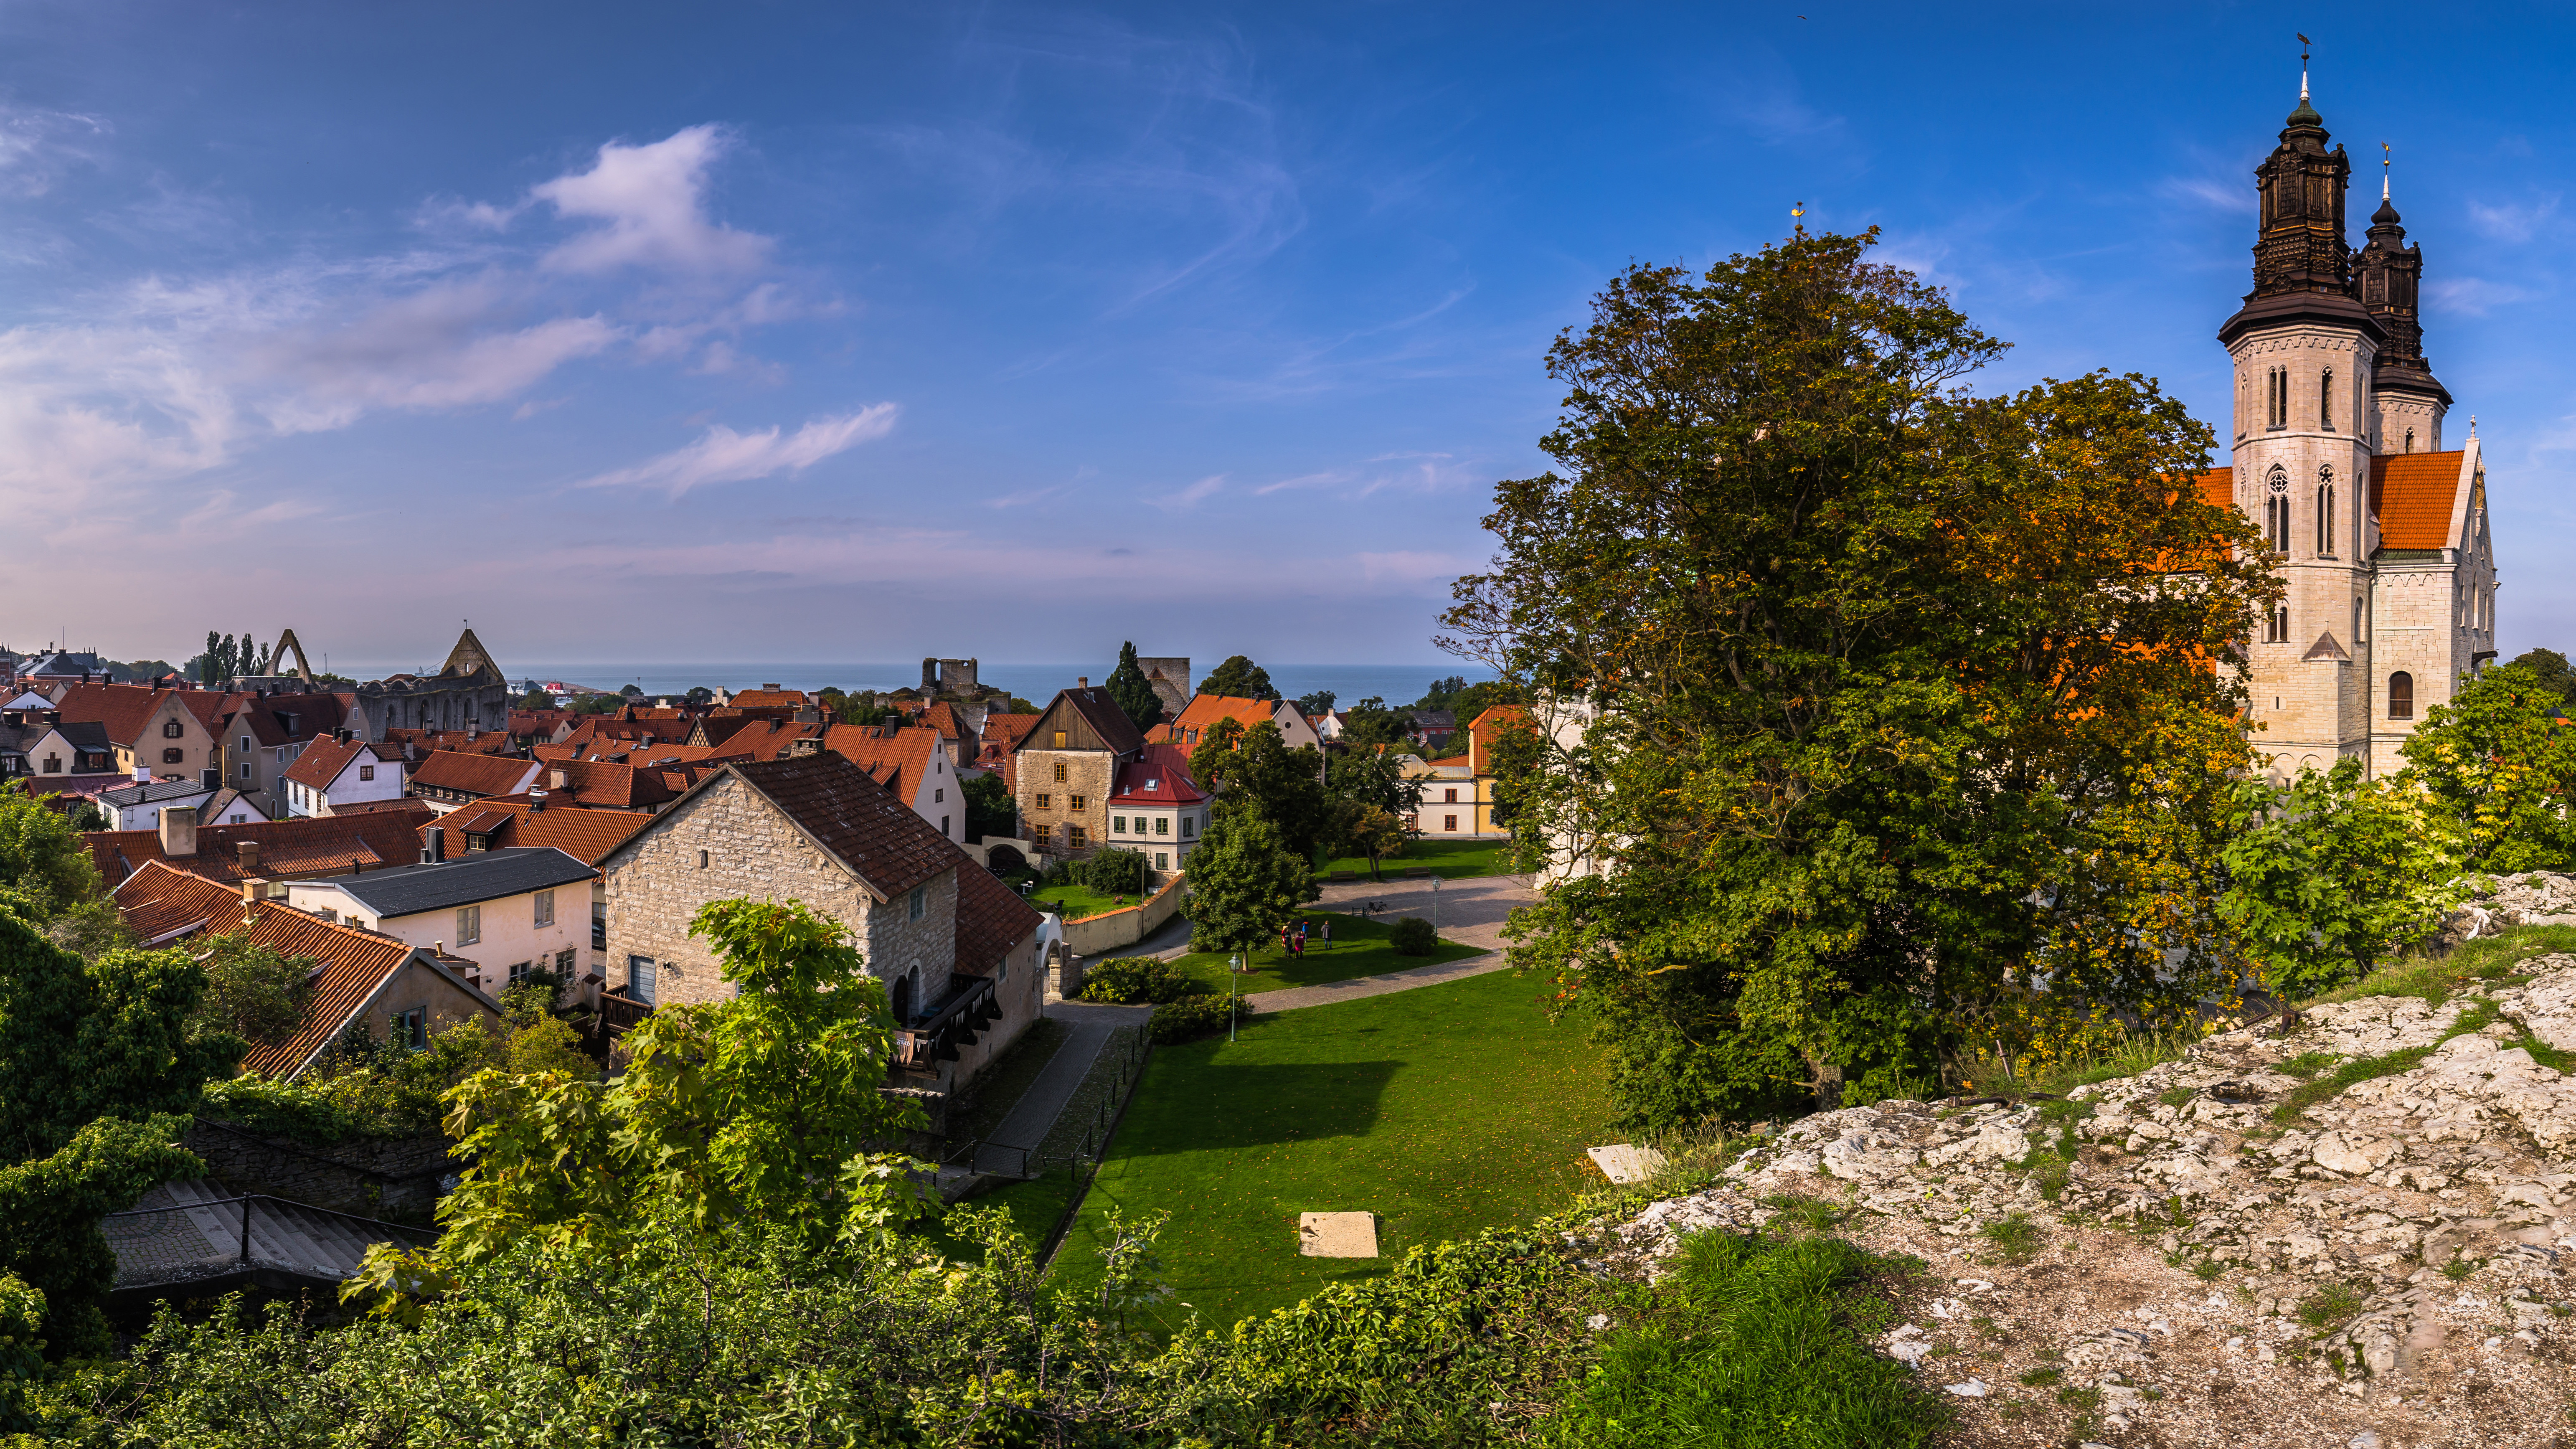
(469, 925)
(545, 912)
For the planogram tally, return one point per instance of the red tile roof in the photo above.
(2218, 486)
(159, 900)
(306, 846)
(323, 760)
(1160, 776)
(765, 739)
(469, 774)
(585, 835)
(463, 742)
(123, 709)
(1206, 709)
(770, 699)
(2412, 495)
(893, 756)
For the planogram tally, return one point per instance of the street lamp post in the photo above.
(1233, 968)
(1435, 905)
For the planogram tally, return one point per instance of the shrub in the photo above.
(1413, 936)
(1193, 1017)
(1129, 980)
(281, 1109)
(1112, 872)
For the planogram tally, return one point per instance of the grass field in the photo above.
(1079, 901)
(1359, 948)
(1443, 1110)
(1447, 859)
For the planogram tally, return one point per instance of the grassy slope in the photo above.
(1080, 901)
(1359, 948)
(1447, 859)
(1443, 1110)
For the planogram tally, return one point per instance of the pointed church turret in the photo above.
(2388, 274)
(2302, 263)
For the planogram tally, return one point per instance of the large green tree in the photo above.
(2501, 770)
(1263, 776)
(1882, 701)
(43, 865)
(1132, 692)
(1238, 678)
(1245, 881)
(2552, 670)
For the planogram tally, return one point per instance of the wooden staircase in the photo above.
(200, 1236)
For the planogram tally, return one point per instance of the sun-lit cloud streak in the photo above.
(653, 201)
(725, 456)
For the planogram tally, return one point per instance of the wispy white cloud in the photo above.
(652, 201)
(1408, 472)
(1192, 496)
(2472, 296)
(38, 146)
(2512, 222)
(2229, 195)
(725, 456)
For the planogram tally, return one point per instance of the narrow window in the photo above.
(469, 925)
(1449, 822)
(545, 908)
(2276, 511)
(245, 743)
(1162, 825)
(1059, 765)
(170, 729)
(411, 1028)
(2401, 695)
(1117, 824)
(643, 979)
(563, 964)
(1189, 826)
(1059, 744)
(702, 860)
(245, 769)
(2410, 440)
(939, 797)
(1162, 860)
(2325, 513)
(1450, 799)
(2325, 400)
(915, 904)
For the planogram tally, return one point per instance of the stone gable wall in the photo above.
(1088, 773)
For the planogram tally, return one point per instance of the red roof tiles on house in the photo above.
(2413, 496)
(473, 774)
(288, 849)
(585, 835)
(894, 756)
(158, 901)
(323, 760)
(1160, 776)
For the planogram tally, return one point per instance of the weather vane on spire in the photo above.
(2305, 45)
(2383, 171)
(1795, 213)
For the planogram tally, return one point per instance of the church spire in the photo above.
(2389, 275)
(2302, 261)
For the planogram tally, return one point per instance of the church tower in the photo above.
(2407, 402)
(2305, 349)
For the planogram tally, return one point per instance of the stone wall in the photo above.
(398, 1179)
(1111, 930)
(1086, 773)
(924, 950)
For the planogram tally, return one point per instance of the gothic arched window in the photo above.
(2276, 512)
(2401, 695)
(2325, 512)
(2276, 625)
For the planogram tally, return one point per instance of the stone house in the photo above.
(1066, 767)
(955, 947)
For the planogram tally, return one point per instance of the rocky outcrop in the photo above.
(2533, 898)
(2365, 1225)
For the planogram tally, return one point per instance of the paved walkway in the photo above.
(1087, 1029)
(1471, 911)
(1358, 986)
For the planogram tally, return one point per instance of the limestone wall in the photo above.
(1111, 930)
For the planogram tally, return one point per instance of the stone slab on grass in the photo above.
(1624, 1163)
(1337, 1235)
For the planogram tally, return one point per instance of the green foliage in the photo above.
(1262, 776)
(2551, 671)
(1315, 702)
(89, 930)
(1112, 871)
(282, 1109)
(2351, 1073)
(84, 816)
(50, 1207)
(2330, 1305)
(42, 861)
(22, 1350)
(1129, 980)
(1188, 1018)
(2308, 1064)
(1466, 700)
(535, 699)
(1755, 1343)
(1897, 695)
(1132, 692)
(1414, 937)
(2335, 872)
(989, 807)
(1238, 678)
(2500, 771)
(1212, 762)
(1369, 796)
(762, 1109)
(255, 992)
(1369, 724)
(1244, 884)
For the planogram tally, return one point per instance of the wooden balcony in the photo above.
(936, 1035)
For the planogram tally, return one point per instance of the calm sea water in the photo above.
(1350, 683)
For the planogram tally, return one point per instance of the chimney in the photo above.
(558, 778)
(142, 773)
(1082, 681)
(248, 851)
(341, 735)
(536, 802)
(769, 686)
(53, 716)
(433, 844)
(179, 832)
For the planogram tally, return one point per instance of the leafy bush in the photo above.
(1112, 872)
(1192, 1017)
(281, 1109)
(1413, 936)
(1130, 980)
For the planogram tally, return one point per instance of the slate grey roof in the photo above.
(407, 890)
(158, 790)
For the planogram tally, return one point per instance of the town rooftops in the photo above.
(163, 904)
(408, 890)
(507, 821)
(1116, 732)
(306, 846)
(473, 774)
(1160, 776)
(123, 708)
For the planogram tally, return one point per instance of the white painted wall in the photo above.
(510, 933)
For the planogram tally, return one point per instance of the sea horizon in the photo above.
(1350, 683)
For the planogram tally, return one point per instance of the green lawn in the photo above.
(1080, 901)
(1443, 1110)
(1447, 859)
(1359, 948)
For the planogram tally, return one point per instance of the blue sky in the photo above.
(866, 332)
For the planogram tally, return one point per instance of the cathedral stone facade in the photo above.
(2381, 532)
